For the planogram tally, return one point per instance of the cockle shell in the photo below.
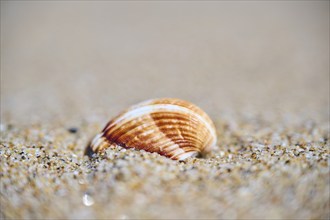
(171, 127)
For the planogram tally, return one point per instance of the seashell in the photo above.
(171, 127)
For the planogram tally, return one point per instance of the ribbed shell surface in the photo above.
(171, 127)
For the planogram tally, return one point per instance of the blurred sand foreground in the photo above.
(260, 69)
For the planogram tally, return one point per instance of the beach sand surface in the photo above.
(259, 69)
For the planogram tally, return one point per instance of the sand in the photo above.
(256, 172)
(259, 69)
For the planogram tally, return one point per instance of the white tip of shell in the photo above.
(186, 155)
(97, 140)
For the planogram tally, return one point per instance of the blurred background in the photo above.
(76, 58)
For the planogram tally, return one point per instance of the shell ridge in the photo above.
(163, 129)
(177, 129)
(152, 123)
(132, 129)
(167, 107)
(164, 145)
(187, 136)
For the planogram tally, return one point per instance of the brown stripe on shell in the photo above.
(184, 104)
(178, 132)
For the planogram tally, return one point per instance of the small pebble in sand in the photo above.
(73, 130)
(88, 200)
